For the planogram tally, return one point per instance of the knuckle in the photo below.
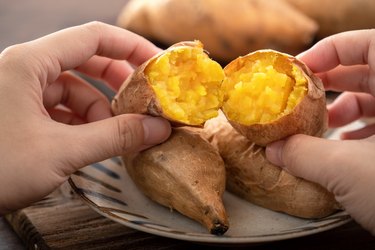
(14, 60)
(290, 154)
(96, 26)
(129, 135)
(14, 53)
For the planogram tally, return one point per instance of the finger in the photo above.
(349, 107)
(347, 78)
(67, 49)
(114, 72)
(97, 141)
(76, 94)
(65, 116)
(347, 48)
(314, 159)
(361, 133)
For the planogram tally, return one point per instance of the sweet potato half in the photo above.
(181, 84)
(270, 95)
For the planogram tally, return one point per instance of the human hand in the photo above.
(41, 143)
(345, 62)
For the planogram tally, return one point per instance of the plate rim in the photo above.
(210, 239)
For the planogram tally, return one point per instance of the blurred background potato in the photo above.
(229, 29)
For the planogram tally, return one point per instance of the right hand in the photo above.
(345, 62)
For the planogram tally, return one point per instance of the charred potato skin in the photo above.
(252, 177)
(185, 173)
(309, 117)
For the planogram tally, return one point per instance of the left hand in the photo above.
(39, 146)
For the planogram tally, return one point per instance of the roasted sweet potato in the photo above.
(338, 16)
(181, 84)
(265, 96)
(227, 28)
(251, 176)
(185, 173)
(269, 95)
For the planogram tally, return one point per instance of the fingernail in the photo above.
(274, 153)
(156, 130)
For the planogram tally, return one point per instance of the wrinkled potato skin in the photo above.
(136, 94)
(185, 173)
(252, 177)
(309, 117)
(227, 28)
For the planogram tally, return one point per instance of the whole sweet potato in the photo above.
(185, 173)
(227, 28)
(338, 15)
(251, 176)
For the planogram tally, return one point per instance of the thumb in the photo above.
(97, 141)
(315, 159)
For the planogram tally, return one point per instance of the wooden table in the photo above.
(63, 221)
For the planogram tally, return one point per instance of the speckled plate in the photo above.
(107, 188)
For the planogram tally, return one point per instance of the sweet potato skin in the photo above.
(185, 173)
(309, 117)
(137, 96)
(338, 16)
(227, 28)
(252, 177)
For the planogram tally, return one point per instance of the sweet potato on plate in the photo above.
(185, 173)
(266, 95)
(252, 177)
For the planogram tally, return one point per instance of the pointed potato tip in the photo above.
(219, 229)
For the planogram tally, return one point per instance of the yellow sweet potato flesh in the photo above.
(187, 84)
(262, 90)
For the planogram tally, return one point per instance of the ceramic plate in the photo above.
(107, 188)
